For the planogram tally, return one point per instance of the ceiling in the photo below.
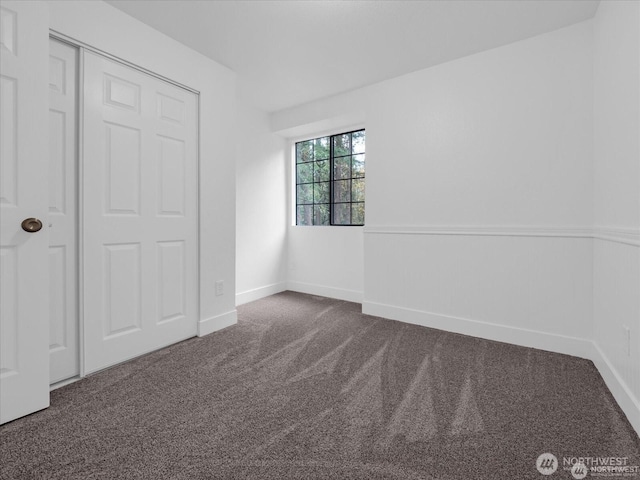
(291, 52)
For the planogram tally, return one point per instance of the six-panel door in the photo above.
(24, 280)
(139, 211)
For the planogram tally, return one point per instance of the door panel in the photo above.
(122, 281)
(171, 281)
(24, 284)
(122, 169)
(139, 211)
(57, 300)
(63, 216)
(171, 170)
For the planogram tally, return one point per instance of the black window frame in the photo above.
(316, 182)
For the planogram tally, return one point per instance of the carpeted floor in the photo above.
(308, 387)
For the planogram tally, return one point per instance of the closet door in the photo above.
(24, 282)
(139, 211)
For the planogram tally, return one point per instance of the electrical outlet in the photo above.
(219, 288)
(627, 339)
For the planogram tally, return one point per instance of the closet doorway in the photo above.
(130, 204)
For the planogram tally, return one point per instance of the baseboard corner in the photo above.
(260, 292)
(621, 392)
(325, 291)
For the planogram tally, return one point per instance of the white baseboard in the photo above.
(212, 324)
(258, 293)
(627, 401)
(325, 291)
(577, 347)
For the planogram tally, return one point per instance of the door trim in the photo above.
(79, 44)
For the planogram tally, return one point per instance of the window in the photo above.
(330, 180)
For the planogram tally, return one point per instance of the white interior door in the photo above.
(63, 220)
(24, 282)
(139, 212)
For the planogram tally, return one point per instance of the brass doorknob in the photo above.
(31, 225)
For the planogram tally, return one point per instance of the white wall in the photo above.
(326, 261)
(498, 138)
(479, 186)
(616, 301)
(528, 290)
(101, 26)
(261, 212)
(479, 180)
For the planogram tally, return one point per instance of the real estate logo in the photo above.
(583, 467)
(547, 463)
(579, 470)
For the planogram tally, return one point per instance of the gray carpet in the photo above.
(308, 387)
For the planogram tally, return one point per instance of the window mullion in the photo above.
(331, 180)
(351, 179)
(313, 186)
